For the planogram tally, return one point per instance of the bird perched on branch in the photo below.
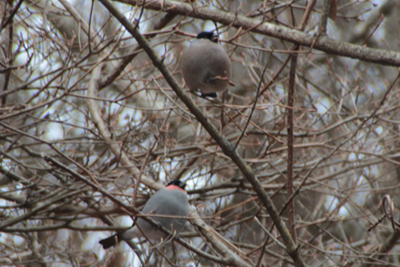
(206, 67)
(169, 201)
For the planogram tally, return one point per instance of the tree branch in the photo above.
(227, 148)
(322, 43)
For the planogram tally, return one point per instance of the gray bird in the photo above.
(171, 200)
(206, 67)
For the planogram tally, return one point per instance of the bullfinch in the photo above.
(171, 200)
(206, 67)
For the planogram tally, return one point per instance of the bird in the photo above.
(206, 67)
(171, 200)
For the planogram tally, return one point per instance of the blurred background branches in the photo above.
(68, 177)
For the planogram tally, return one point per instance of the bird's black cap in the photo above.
(178, 183)
(208, 35)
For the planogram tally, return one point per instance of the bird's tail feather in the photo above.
(110, 241)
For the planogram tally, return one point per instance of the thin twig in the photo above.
(255, 100)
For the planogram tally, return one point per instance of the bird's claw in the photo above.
(157, 226)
